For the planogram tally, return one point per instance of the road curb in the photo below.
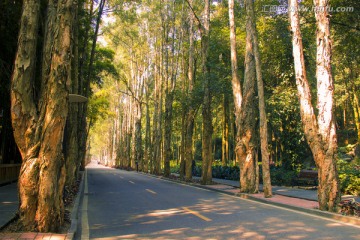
(328, 215)
(75, 211)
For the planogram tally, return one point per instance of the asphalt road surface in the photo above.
(128, 205)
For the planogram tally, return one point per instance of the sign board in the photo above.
(75, 98)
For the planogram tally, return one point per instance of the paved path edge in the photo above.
(75, 211)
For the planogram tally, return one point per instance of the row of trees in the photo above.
(168, 84)
(176, 72)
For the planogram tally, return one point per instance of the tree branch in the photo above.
(200, 26)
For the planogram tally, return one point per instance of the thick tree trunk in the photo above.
(207, 128)
(40, 139)
(246, 144)
(262, 109)
(328, 180)
(321, 134)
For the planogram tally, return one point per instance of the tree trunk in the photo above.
(225, 132)
(167, 134)
(182, 145)
(84, 128)
(138, 139)
(328, 178)
(235, 82)
(247, 141)
(207, 127)
(40, 139)
(156, 157)
(147, 152)
(190, 114)
(71, 158)
(262, 109)
(321, 134)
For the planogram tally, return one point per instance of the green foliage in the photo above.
(226, 172)
(281, 176)
(98, 106)
(349, 176)
(103, 65)
(288, 145)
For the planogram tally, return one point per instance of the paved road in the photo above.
(9, 203)
(127, 205)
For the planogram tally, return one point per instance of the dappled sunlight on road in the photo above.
(156, 224)
(150, 209)
(159, 214)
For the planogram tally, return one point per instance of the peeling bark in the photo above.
(320, 133)
(246, 148)
(40, 138)
(262, 109)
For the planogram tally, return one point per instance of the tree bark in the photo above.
(225, 132)
(247, 135)
(235, 81)
(40, 139)
(72, 162)
(156, 143)
(262, 109)
(167, 134)
(320, 134)
(207, 128)
(190, 114)
(138, 139)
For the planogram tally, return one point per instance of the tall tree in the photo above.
(171, 61)
(235, 78)
(207, 128)
(39, 123)
(225, 132)
(262, 109)
(235, 82)
(72, 162)
(246, 147)
(87, 75)
(189, 117)
(320, 133)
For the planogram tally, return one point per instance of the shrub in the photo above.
(280, 176)
(349, 176)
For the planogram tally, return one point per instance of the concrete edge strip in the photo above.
(328, 215)
(85, 234)
(75, 211)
